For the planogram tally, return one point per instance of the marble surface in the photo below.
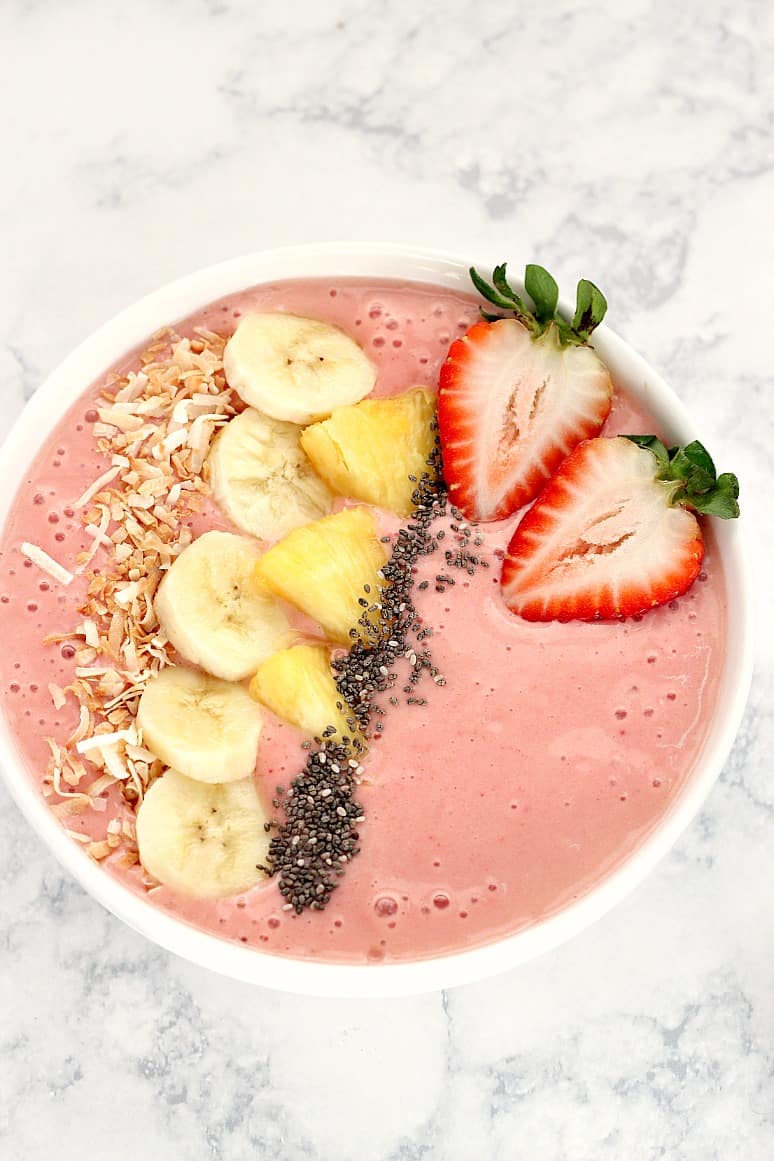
(628, 140)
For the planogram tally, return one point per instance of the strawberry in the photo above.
(517, 394)
(613, 533)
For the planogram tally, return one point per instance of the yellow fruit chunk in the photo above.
(297, 684)
(323, 568)
(369, 451)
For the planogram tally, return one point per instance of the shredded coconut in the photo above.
(97, 486)
(155, 427)
(46, 562)
(98, 741)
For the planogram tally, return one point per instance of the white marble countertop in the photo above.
(631, 141)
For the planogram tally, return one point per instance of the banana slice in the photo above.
(206, 728)
(213, 611)
(261, 476)
(295, 368)
(202, 839)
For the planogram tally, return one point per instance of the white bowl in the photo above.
(129, 329)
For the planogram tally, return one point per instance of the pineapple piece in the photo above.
(297, 684)
(369, 450)
(322, 568)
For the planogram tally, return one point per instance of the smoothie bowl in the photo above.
(352, 646)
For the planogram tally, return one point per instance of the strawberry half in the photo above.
(516, 395)
(611, 535)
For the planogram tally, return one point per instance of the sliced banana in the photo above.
(206, 728)
(202, 839)
(295, 368)
(261, 476)
(213, 611)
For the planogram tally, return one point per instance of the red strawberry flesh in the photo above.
(510, 408)
(601, 540)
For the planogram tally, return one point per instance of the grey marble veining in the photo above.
(630, 141)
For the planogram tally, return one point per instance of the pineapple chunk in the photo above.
(322, 568)
(297, 684)
(369, 450)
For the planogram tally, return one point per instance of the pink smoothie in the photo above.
(546, 759)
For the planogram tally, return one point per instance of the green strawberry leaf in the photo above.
(692, 468)
(506, 290)
(693, 459)
(723, 500)
(590, 309)
(652, 444)
(543, 291)
(489, 292)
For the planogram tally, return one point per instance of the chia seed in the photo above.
(310, 848)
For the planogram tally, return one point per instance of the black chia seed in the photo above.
(309, 849)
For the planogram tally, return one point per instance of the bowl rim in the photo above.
(173, 302)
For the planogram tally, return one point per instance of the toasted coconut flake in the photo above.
(137, 500)
(139, 754)
(175, 440)
(123, 551)
(116, 631)
(113, 761)
(91, 634)
(127, 593)
(100, 741)
(110, 684)
(119, 417)
(100, 785)
(155, 428)
(134, 384)
(98, 534)
(99, 850)
(58, 695)
(71, 806)
(96, 487)
(82, 728)
(79, 836)
(46, 562)
(129, 651)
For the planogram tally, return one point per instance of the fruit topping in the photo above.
(376, 450)
(613, 533)
(214, 613)
(327, 569)
(202, 839)
(518, 394)
(206, 728)
(261, 477)
(297, 684)
(297, 369)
